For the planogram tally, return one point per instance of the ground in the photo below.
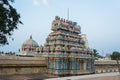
(102, 76)
(26, 77)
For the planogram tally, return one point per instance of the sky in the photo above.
(99, 20)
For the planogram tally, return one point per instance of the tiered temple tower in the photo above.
(66, 50)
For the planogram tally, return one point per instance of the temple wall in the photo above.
(22, 70)
(30, 65)
(106, 66)
(21, 65)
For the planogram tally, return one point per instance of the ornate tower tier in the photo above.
(66, 49)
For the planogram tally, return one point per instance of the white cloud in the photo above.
(45, 2)
(38, 2)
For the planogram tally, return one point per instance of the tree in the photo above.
(96, 54)
(116, 56)
(9, 19)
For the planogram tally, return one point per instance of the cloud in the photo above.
(38, 2)
(45, 2)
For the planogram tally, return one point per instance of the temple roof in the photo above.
(30, 43)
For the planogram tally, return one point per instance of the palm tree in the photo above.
(96, 54)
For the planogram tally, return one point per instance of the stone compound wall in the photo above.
(105, 66)
(29, 70)
(21, 65)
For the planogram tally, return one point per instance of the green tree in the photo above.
(116, 56)
(9, 19)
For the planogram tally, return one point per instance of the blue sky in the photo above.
(99, 20)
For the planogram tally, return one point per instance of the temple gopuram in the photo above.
(66, 50)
